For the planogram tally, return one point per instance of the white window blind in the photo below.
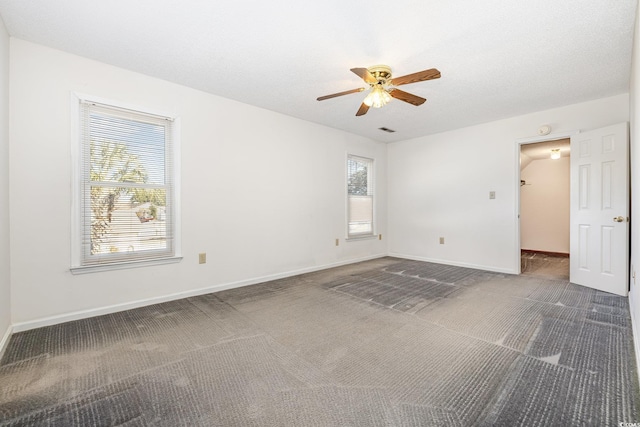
(127, 186)
(360, 193)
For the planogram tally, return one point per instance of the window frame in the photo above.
(370, 192)
(79, 226)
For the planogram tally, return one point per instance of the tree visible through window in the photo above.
(127, 185)
(360, 196)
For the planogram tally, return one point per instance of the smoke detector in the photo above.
(544, 130)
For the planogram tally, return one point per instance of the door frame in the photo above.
(518, 145)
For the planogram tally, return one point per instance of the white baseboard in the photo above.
(83, 314)
(5, 340)
(457, 264)
(635, 329)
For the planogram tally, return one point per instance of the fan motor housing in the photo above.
(382, 73)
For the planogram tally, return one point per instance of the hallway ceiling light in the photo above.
(555, 154)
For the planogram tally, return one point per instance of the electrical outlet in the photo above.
(337, 242)
(492, 194)
(202, 258)
(442, 240)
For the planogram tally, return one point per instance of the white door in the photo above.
(600, 209)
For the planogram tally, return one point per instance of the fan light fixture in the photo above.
(378, 97)
(555, 154)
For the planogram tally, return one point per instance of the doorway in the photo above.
(545, 183)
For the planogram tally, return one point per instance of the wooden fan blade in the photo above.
(362, 110)
(364, 74)
(407, 97)
(420, 76)
(346, 92)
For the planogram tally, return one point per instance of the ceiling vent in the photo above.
(387, 130)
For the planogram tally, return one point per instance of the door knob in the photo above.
(618, 219)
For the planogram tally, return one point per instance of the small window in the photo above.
(360, 197)
(127, 209)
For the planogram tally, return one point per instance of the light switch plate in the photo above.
(492, 194)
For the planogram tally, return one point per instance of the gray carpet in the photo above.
(383, 343)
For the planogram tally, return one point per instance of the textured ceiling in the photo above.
(498, 58)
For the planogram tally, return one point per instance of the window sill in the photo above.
(365, 237)
(123, 265)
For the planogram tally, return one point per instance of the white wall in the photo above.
(263, 194)
(544, 205)
(5, 285)
(439, 186)
(634, 95)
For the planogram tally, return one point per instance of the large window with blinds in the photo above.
(127, 209)
(360, 191)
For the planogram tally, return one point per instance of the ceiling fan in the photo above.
(383, 87)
